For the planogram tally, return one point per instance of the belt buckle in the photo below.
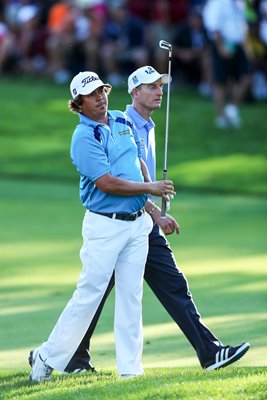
(137, 214)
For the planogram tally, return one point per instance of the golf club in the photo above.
(166, 46)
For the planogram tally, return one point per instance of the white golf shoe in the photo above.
(40, 370)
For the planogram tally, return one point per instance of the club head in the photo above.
(165, 45)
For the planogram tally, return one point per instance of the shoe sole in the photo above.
(239, 354)
(30, 358)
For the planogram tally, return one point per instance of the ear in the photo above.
(134, 92)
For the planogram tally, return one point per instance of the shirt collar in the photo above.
(139, 121)
(91, 122)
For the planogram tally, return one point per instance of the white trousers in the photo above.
(108, 245)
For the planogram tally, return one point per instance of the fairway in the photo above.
(221, 206)
(225, 264)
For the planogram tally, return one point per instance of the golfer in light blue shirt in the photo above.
(105, 151)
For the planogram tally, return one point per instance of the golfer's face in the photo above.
(150, 95)
(94, 105)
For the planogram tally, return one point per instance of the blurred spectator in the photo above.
(227, 27)
(263, 22)
(140, 9)
(96, 13)
(257, 50)
(164, 16)
(123, 46)
(67, 26)
(75, 27)
(62, 38)
(31, 40)
(153, 10)
(191, 54)
(6, 41)
(44, 7)
(11, 9)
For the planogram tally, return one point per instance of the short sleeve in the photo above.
(89, 157)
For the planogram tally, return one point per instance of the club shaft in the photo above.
(165, 168)
(167, 119)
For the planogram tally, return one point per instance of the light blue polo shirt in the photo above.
(98, 149)
(146, 133)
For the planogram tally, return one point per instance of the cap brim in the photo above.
(96, 85)
(165, 78)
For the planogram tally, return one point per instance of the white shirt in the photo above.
(227, 17)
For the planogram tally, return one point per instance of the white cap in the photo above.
(145, 75)
(85, 83)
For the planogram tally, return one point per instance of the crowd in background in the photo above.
(114, 37)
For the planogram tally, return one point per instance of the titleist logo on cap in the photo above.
(89, 79)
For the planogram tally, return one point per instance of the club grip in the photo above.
(163, 208)
(163, 201)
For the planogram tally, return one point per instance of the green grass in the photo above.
(226, 268)
(221, 249)
(37, 128)
(167, 384)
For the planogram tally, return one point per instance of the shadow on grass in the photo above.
(234, 290)
(232, 308)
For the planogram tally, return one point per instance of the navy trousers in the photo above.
(171, 288)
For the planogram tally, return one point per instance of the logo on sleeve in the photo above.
(125, 132)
